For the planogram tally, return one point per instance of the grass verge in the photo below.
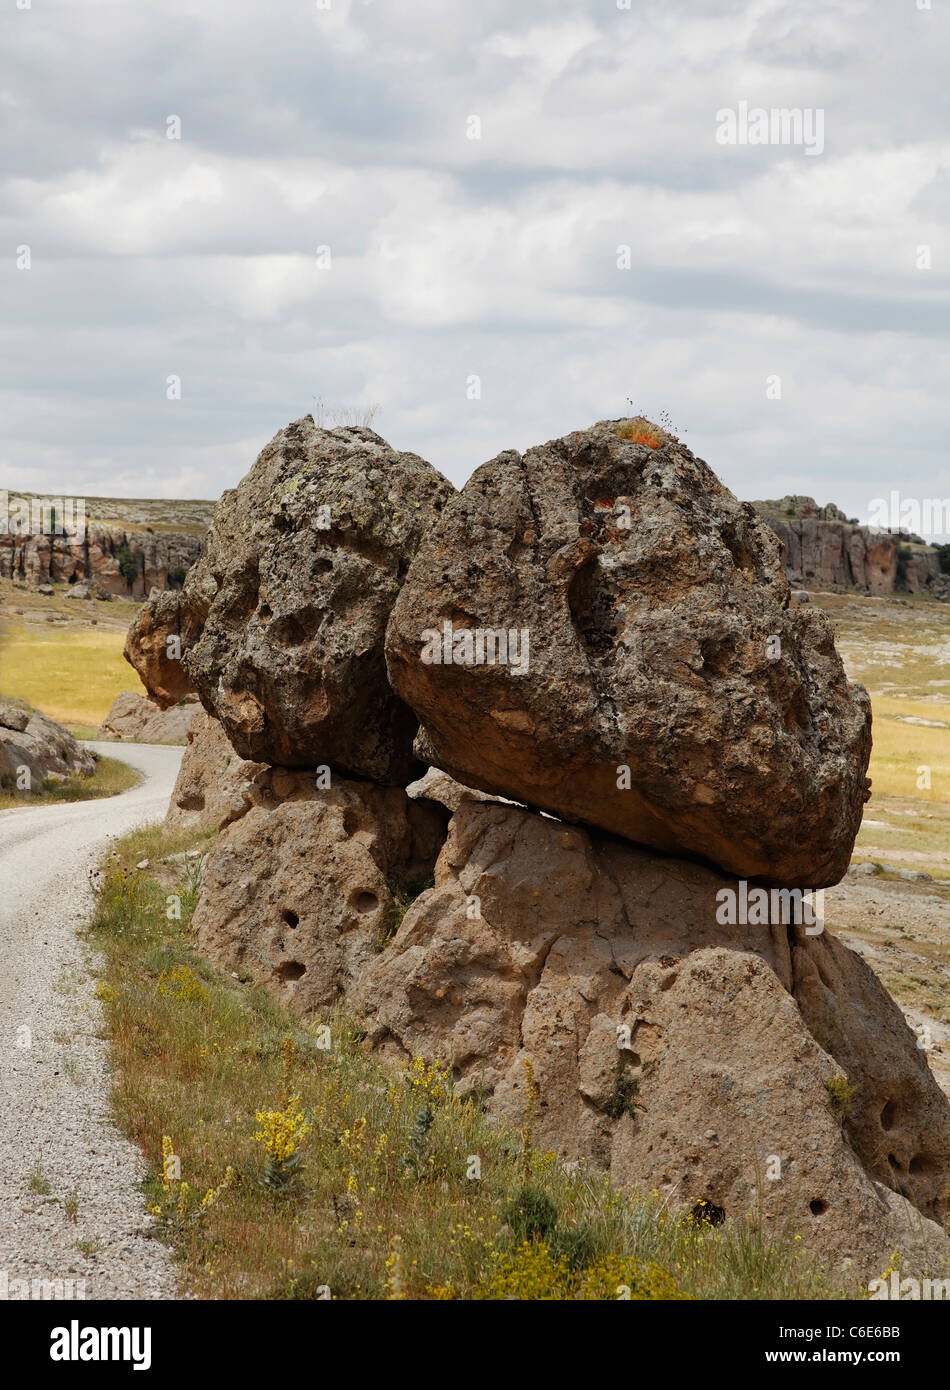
(285, 1163)
(109, 779)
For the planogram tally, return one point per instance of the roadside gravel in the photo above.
(71, 1207)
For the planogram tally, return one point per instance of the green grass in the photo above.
(379, 1201)
(109, 779)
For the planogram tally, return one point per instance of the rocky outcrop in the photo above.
(713, 1062)
(647, 673)
(134, 718)
(35, 749)
(821, 547)
(292, 595)
(87, 589)
(599, 629)
(214, 784)
(834, 554)
(155, 645)
(37, 559)
(301, 889)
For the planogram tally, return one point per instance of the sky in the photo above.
(495, 222)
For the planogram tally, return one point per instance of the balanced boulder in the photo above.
(599, 629)
(292, 595)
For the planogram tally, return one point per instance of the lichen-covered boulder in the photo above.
(292, 595)
(599, 629)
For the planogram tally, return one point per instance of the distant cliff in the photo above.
(160, 559)
(826, 550)
(126, 546)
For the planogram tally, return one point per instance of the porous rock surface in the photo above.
(292, 595)
(671, 694)
(299, 889)
(214, 784)
(691, 1057)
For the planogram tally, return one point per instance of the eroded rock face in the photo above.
(299, 890)
(137, 719)
(39, 558)
(42, 746)
(155, 645)
(292, 595)
(214, 785)
(834, 554)
(696, 1058)
(657, 682)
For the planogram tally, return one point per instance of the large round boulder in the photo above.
(292, 595)
(599, 629)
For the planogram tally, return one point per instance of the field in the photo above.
(57, 658)
(900, 650)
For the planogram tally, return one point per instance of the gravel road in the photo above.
(89, 1225)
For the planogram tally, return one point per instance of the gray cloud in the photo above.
(452, 257)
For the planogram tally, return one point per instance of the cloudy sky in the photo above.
(349, 125)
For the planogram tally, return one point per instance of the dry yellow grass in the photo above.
(72, 674)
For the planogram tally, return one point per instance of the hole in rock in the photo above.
(291, 970)
(708, 1213)
(894, 1163)
(918, 1164)
(889, 1116)
(591, 598)
(290, 917)
(717, 655)
(366, 902)
(351, 821)
(322, 566)
(818, 1206)
(294, 629)
(737, 543)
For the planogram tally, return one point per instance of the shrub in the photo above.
(531, 1213)
(640, 430)
(841, 1094)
